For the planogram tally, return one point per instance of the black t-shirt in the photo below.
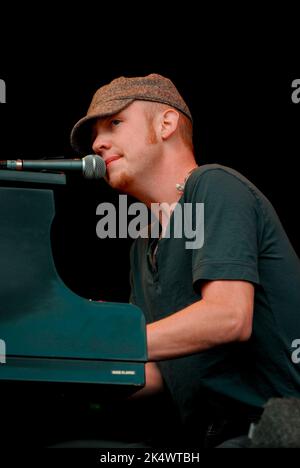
(241, 239)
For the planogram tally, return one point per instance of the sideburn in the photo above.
(151, 137)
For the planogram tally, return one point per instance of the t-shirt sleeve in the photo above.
(230, 246)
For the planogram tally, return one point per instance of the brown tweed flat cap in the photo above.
(117, 95)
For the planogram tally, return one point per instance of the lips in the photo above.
(111, 159)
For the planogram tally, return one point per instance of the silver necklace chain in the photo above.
(180, 187)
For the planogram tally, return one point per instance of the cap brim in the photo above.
(81, 134)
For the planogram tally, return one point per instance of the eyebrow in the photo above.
(104, 120)
(112, 116)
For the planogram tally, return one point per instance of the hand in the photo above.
(154, 382)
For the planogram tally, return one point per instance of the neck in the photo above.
(161, 188)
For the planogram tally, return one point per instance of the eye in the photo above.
(115, 122)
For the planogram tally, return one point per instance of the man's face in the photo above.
(128, 143)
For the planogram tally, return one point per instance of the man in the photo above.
(222, 317)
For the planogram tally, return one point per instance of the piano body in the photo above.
(60, 347)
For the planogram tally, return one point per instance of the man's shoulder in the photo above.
(212, 171)
(218, 179)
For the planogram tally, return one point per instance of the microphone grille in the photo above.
(94, 167)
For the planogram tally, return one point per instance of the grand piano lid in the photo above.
(33, 177)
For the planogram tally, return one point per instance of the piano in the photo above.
(59, 347)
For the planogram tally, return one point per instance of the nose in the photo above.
(100, 144)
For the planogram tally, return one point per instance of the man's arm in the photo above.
(224, 314)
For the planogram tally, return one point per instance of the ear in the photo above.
(168, 123)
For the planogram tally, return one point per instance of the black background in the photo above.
(237, 87)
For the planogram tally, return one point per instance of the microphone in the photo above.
(92, 165)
